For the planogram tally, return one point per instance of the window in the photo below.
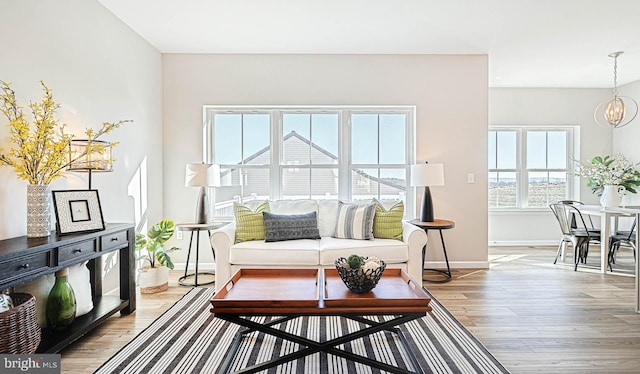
(529, 167)
(347, 153)
(378, 155)
(309, 142)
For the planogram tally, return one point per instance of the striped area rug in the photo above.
(188, 339)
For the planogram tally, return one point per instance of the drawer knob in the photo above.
(77, 250)
(114, 239)
(25, 266)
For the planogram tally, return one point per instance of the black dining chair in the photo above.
(580, 236)
(574, 224)
(627, 238)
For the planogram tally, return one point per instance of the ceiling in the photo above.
(530, 43)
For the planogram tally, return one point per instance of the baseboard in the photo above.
(457, 265)
(523, 243)
(210, 266)
(202, 266)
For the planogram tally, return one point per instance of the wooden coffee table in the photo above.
(292, 293)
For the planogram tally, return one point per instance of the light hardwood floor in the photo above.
(533, 316)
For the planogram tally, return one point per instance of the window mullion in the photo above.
(276, 168)
(344, 158)
(523, 172)
(310, 155)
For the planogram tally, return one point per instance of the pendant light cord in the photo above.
(615, 76)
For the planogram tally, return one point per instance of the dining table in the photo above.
(608, 219)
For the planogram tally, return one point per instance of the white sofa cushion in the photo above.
(389, 250)
(327, 216)
(291, 252)
(300, 206)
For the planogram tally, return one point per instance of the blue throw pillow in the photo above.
(279, 227)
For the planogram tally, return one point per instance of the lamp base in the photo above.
(202, 207)
(426, 214)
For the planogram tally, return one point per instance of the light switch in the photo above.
(179, 235)
(471, 178)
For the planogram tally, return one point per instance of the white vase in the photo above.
(611, 196)
(38, 210)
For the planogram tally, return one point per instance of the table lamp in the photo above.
(90, 156)
(427, 175)
(203, 176)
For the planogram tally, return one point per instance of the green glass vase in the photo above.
(61, 303)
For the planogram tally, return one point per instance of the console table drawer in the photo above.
(21, 266)
(117, 239)
(77, 250)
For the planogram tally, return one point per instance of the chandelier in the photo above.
(618, 111)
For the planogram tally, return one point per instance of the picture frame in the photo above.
(77, 211)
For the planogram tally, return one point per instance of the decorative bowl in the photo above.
(360, 280)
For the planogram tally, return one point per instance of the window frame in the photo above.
(522, 173)
(344, 165)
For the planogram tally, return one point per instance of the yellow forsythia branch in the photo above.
(40, 149)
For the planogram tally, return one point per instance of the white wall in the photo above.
(545, 106)
(99, 70)
(450, 93)
(626, 140)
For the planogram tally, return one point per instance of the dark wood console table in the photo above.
(23, 259)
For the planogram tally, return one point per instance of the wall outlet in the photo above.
(179, 235)
(471, 178)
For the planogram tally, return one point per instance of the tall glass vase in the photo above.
(61, 303)
(38, 210)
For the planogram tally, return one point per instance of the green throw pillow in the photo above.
(249, 223)
(387, 223)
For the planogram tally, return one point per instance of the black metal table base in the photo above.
(182, 282)
(445, 273)
(196, 273)
(329, 346)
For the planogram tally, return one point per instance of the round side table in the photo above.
(196, 228)
(437, 224)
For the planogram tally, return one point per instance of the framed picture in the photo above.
(77, 211)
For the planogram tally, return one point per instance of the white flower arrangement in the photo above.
(610, 171)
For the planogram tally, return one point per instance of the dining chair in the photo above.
(577, 204)
(579, 236)
(627, 238)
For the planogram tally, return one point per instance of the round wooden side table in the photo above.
(196, 228)
(437, 224)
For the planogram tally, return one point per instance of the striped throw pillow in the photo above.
(387, 223)
(355, 221)
(249, 223)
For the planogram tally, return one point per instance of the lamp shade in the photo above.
(423, 175)
(202, 175)
(86, 155)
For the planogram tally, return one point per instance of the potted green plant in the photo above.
(154, 275)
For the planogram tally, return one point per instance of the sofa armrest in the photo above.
(221, 241)
(416, 239)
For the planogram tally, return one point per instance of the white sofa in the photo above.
(307, 253)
